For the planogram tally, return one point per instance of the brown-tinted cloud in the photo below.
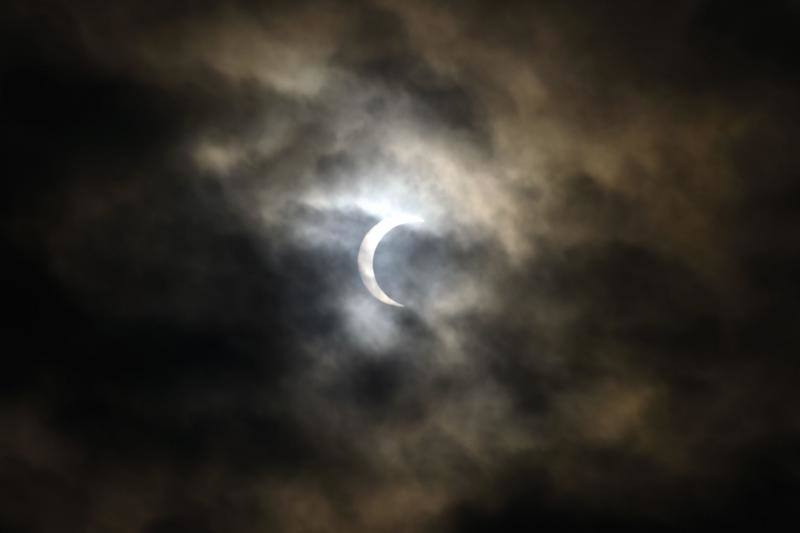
(599, 331)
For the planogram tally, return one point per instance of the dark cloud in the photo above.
(599, 327)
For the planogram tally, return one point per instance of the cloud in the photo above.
(598, 328)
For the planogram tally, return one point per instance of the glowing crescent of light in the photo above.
(366, 254)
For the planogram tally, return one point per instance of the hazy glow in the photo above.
(366, 254)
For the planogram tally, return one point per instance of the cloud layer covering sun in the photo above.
(598, 328)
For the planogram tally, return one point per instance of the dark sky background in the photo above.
(601, 330)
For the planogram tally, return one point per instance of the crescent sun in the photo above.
(366, 254)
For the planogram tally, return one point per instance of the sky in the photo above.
(599, 328)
